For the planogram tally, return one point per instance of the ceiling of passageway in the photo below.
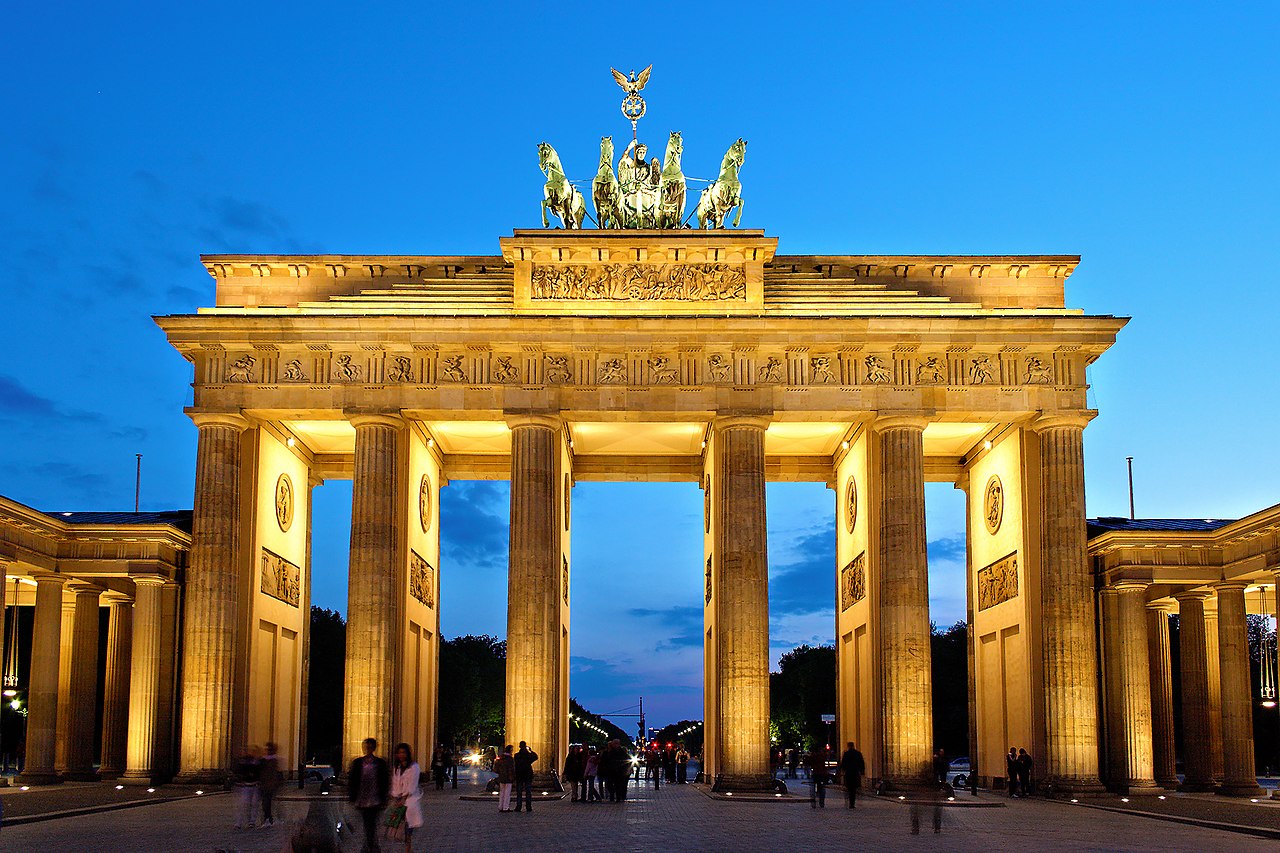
(630, 438)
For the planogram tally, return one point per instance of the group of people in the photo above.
(671, 764)
(515, 769)
(597, 775)
(852, 768)
(1017, 765)
(444, 767)
(388, 797)
(256, 777)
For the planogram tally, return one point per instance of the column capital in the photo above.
(534, 419)
(1190, 595)
(1161, 607)
(116, 597)
(724, 422)
(1123, 585)
(387, 419)
(79, 588)
(49, 578)
(1230, 585)
(1060, 420)
(886, 422)
(235, 420)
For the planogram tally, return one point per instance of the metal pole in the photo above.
(137, 484)
(1129, 459)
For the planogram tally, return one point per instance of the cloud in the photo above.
(474, 524)
(17, 400)
(807, 583)
(948, 549)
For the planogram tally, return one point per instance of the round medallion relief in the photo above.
(850, 505)
(993, 504)
(424, 502)
(567, 486)
(284, 502)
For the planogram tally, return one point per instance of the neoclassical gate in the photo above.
(644, 355)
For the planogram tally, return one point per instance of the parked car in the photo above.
(317, 772)
(958, 772)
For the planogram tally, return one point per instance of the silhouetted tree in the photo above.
(325, 670)
(803, 689)
(473, 680)
(949, 653)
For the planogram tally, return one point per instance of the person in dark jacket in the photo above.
(524, 760)
(818, 775)
(368, 783)
(1024, 771)
(853, 767)
(940, 767)
(1011, 771)
(574, 765)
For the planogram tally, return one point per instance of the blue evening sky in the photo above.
(1139, 135)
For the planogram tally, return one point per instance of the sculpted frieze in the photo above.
(853, 582)
(451, 369)
(612, 371)
(771, 371)
(640, 282)
(663, 371)
(981, 370)
(932, 371)
(422, 580)
(877, 373)
(998, 582)
(720, 368)
(293, 371)
(820, 370)
(1039, 372)
(401, 369)
(280, 578)
(504, 371)
(346, 370)
(241, 370)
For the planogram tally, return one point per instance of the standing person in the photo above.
(652, 770)
(793, 762)
(682, 766)
(818, 775)
(451, 765)
(1024, 771)
(852, 766)
(589, 772)
(269, 781)
(1011, 771)
(504, 765)
(368, 782)
(406, 793)
(669, 762)
(438, 767)
(940, 767)
(524, 760)
(573, 770)
(245, 775)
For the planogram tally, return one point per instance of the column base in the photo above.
(80, 776)
(1241, 790)
(202, 777)
(137, 780)
(1087, 787)
(745, 784)
(1145, 789)
(38, 778)
(1167, 784)
(1198, 787)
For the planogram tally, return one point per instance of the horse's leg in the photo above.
(738, 217)
(545, 223)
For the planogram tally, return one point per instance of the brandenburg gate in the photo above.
(644, 355)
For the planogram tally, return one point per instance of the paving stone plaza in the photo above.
(680, 817)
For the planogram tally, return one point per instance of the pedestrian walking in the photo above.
(451, 765)
(405, 812)
(1011, 771)
(245, 776)
(438, 766)
(504, 765)
(269, 781)
(940, 767)
(682, 766)
(573, 770)
(819, 777)
(853, 767)
(652, 768)
(524, 759)
(590, 770)
(368, 783)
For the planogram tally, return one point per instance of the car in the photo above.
(317, 772)
(958, 772)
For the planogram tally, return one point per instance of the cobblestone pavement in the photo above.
(70, 796)
(679, 817)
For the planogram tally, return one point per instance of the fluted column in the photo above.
(742, 611)
(1160, 668)
(144, 682)
(115, 698)
(42, 696)
(533, 586)
(212, 594)
(1136, 678)
(84, 684)
(1213, 672)
(1117, 759)
(1192, 655)
(1239, 773)
(1069, 643)
(66, 642)
(372, 607)
(904, 601)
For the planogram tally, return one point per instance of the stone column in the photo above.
(1212, 659)
(372, 609)
(144, 682)
(1117, 759)
(1160, 668)
(212, 592)
(42, 696)
(1192, 654)
(904, 601)
(66, 641)
(84, 684)
(1136, 685)
(1070, 657)
(743, 607)
(1239, 774)
(533, 587)
(115, 699)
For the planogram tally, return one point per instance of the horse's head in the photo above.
(546, 156)
(675, 146)
(606, 150)
(737, 152)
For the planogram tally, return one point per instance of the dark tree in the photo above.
(325, 677)
(949, 650)
(692, 739)
(473, 680)
(803, 689)
(593, 729)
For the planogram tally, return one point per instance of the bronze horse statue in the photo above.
(725, 192)
(606, 193)
(558, 195)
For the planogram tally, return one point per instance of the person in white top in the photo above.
(405, 791)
